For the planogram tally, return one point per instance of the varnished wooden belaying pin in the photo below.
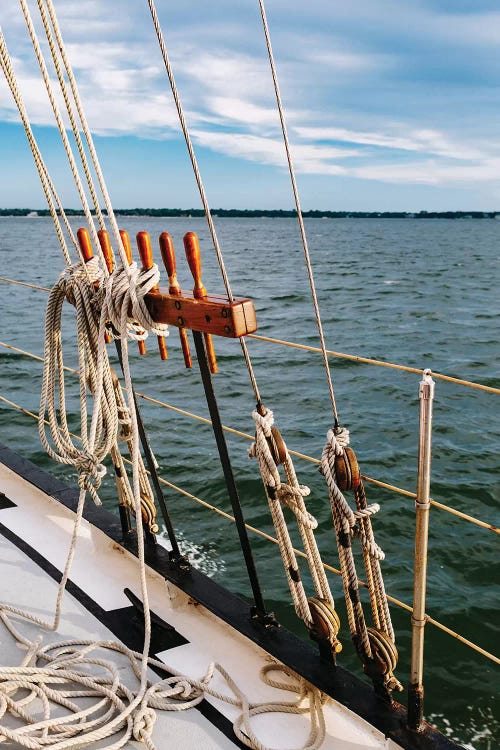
(193, 255)
(168, 257)
(85, 244)
(128, 252)
(146, 255)
(107, 252)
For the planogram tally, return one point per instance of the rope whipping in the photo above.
(98, 300)
(267, 466)
(376, 646)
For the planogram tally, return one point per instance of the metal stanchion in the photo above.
(422, 507)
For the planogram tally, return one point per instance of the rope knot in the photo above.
(144, 721)
(338, 439)
(291, 497)
(265, 422)
(80, 274)
(125, 422)
(185, 689)
(126, 288)
(91, 473)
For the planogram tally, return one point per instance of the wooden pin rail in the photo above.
(210, 314)
(213, 314)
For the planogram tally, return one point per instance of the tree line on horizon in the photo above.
(264, 213)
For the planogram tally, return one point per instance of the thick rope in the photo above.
(58, 675)
(350, 523)
(94, 375)
(83, 121)
(345, 519)
(124, 290)
(69, 109)
(290, 494)
(67, 147)
(300, 600)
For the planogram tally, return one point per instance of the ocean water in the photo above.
(422, 293)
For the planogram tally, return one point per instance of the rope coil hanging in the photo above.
(94, 375)
(318, 613)
(375, 645)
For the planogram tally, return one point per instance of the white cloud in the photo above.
(423, 141)
(430, 173)
(307, 158)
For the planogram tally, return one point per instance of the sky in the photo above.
(390, 104)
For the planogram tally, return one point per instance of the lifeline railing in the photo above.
(423, 501)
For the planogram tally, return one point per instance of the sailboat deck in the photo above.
(34, 539)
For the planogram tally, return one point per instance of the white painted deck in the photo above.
(102, 569)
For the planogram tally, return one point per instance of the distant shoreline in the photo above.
(263, 214)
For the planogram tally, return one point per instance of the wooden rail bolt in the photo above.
(193, 255)
(168, 256)
(128, 252)
(146, 255)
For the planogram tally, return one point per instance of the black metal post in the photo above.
(125, 520)
(227, 469)
(175, 555)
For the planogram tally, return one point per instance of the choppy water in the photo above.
(420, 293)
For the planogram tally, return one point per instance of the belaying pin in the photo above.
(128, 252)
(174, 288)
(107, 252)
(193, 255)
(146, 255)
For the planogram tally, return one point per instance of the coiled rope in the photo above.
(66, 664)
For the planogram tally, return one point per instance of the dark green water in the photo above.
(420, 293)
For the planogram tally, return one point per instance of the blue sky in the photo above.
(391, 104)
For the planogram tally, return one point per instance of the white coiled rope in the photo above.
(77, 283)
(57, 675)
(125, 289)
(48, 675)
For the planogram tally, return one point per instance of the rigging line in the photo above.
(378, 362)
(272, 539)
(46, 182)
(69, 109)
(64, 137)
(299, 211)
(199, 182)
(24, 283)
(86, 132)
